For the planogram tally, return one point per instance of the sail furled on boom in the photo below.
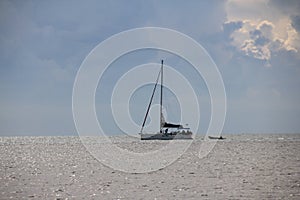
(169, 125)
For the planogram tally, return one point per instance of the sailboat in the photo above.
(167, 131)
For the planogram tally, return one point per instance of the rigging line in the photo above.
(150, 101)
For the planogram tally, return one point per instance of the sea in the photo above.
(245, 166)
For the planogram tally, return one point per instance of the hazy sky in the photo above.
(255, 45)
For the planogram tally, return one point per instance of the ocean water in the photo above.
(248, 166)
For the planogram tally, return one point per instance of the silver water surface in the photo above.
(265, 166)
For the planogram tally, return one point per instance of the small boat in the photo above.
(168, 131)
(216, 138)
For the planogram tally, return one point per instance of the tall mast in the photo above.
(161, 93)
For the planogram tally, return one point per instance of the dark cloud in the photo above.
(261, 41)
(296, 22)
(290, 7)
(230, 27)
(258, 37)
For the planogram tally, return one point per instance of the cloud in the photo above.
(290, 7)
(264, 28)
(296, 22)
(254, 40)
(230, 27)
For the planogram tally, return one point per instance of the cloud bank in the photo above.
(263, 27)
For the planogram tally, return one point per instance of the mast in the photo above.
(161, 93)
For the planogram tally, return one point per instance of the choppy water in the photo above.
(240, 167)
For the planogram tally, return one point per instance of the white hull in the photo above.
(161, 136)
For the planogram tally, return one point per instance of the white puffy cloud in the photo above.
(265, 28)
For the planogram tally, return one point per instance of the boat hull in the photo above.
(216, 137)
(160, 136)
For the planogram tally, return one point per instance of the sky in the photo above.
(255, 45)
